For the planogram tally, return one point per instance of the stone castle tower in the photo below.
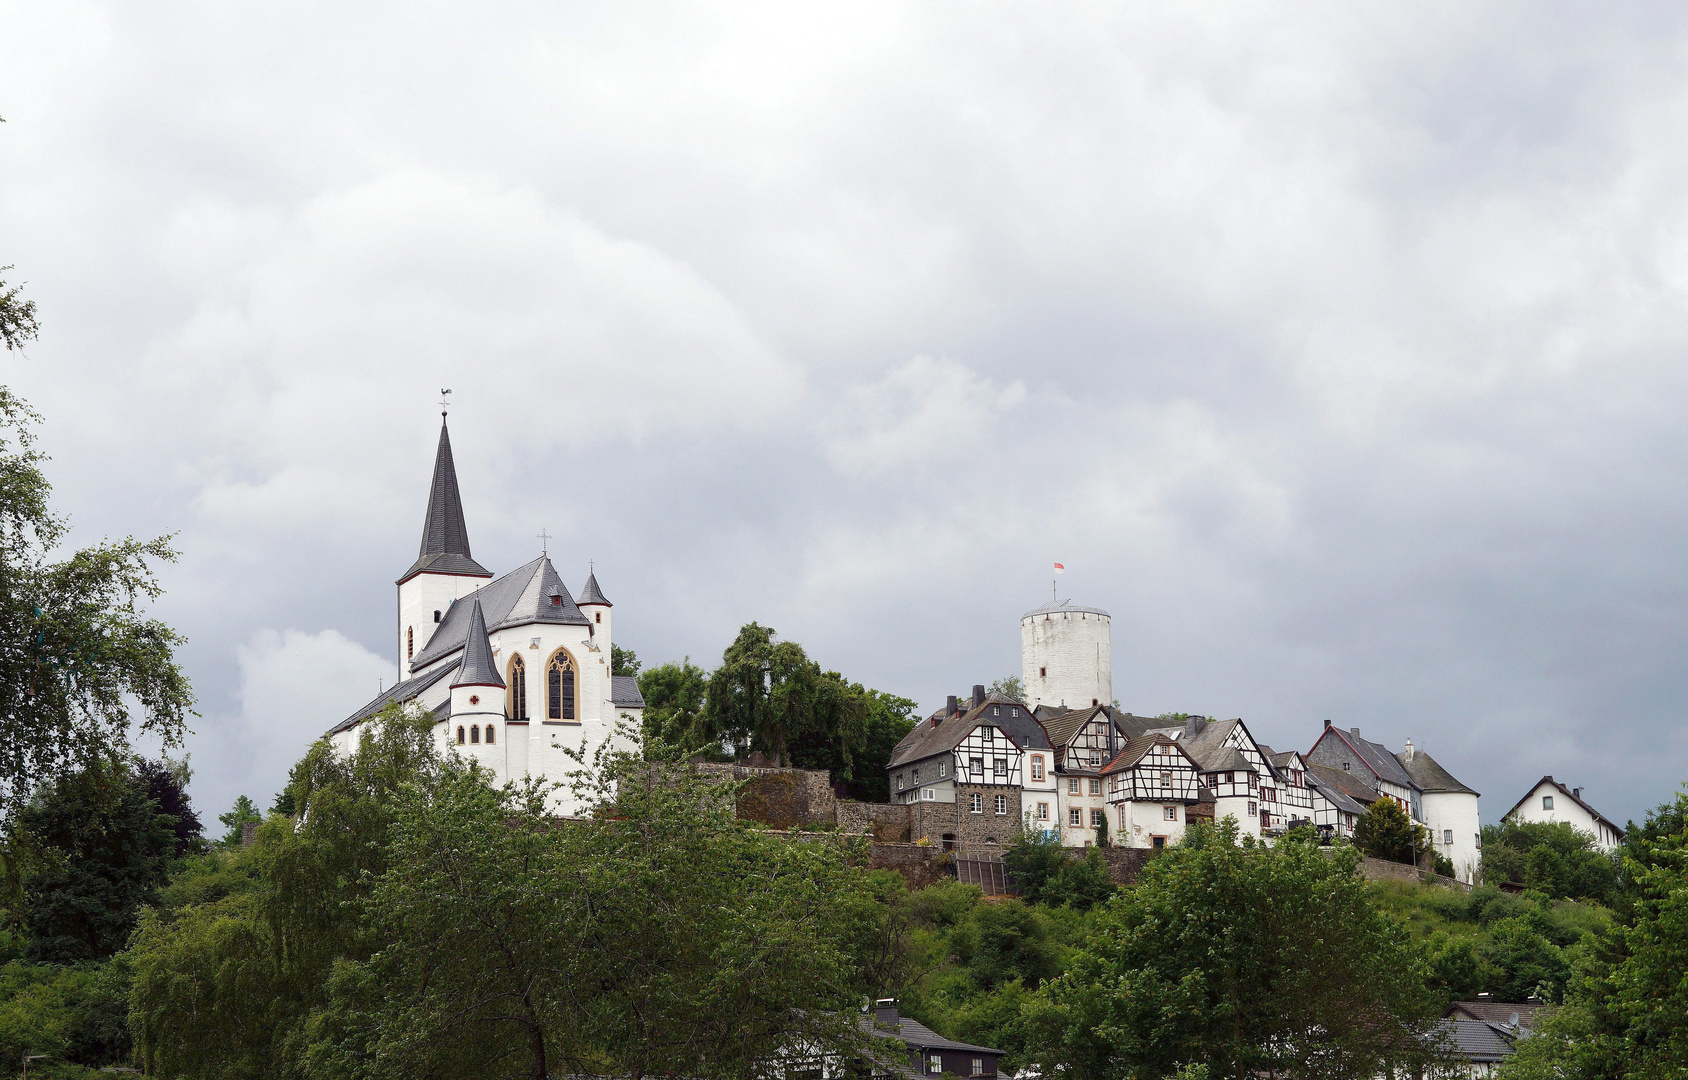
(1066, 656)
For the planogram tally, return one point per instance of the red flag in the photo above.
(1059, 568)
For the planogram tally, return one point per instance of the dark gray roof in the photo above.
(519, 598)
(1344, 790)
(918, 1036)
(445, 538)
(1496, 1012)
(1334, 790)
(1204, 741)
(1428, 774)
(1055, 609)
(477, 668)
(590, 593)
(403, 691)
(624, 692)
(1376, 756)
(926, 740)
(1478, 1040)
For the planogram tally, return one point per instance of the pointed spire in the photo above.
(591, 594)
(445, 538)
(477, 668)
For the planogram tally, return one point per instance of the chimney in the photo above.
(978, 694)
(885, 1013)
(1327, 721)
(1354, 731)
(1409, 749)
(1576, 793)
(953, 706)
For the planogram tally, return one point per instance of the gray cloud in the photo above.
(1338, 352)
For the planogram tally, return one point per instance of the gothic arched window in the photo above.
(560, 687)
(517, 682)
(459, 734)
(474, 733)
(489, 739)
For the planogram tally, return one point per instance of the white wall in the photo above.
(1137, 823)
(1564, 809)
(1455, 813)
(1075, 648)
(419, 598)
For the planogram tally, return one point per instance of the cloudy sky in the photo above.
(1336, 349)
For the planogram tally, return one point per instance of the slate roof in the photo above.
(1334, 793)
(590, 593)
(918, 1036)
(1342, 787)
(1135, 750)
(1595, 814)
(1496, 1012)
(520, 598)
(445, 537)
(1429, 775)
(1051, 609)
(1478, 1040)
(403, 691)
(1376, 756)
(926, 740)
(624, 692)
(1204, 741)
(477, 668)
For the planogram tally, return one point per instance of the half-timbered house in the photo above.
(1233, 768)
(1371, 762)
(1288, 797)
(1339, 798)
(1150, 786)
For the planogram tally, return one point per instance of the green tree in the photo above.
(1244, 959)
(1551, 857)
(768, 696)
(1009, 686)
(75, 647)
(244, 812)
(675, 696)
(623, 661)
(166, 783)
(889, 718)
(1385, 832)
(115, 845)
(17, 315)
(229, 987)
(1035, 860)
(664, 938)
(1081, 883)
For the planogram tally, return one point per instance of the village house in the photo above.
(1550, 801)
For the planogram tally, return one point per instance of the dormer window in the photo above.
(436, 614)
(556, 600)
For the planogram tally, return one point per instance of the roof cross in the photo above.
(445, 400)
(544, 541)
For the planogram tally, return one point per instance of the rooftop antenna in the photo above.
(544, 541)
(445, 401)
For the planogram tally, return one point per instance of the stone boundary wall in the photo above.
(780, 798)
(887, 823)
(920, 864)
(1125, 865)
(1384, 870)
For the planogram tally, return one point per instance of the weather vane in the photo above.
(544, 541)
(445, 400)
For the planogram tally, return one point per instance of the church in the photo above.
(513, 670)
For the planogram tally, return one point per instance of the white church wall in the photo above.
(419, 598)
(1066, 657)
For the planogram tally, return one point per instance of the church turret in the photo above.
(477, 690)
(596, 607)
(444, 570)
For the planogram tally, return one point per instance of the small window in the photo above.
(1072, 785)
(1447, 836)
(1172, 813)
(409, 642)
(1002, 804)
(1122, 815)
(1253, 780)
(1075, 817)
(474, 733)
(1037, 766)
(460, 735)
(1043, 811)
(928, 793)
(943, 767)
(1166, 779)
(1000, 767)
(1252, 808)
(977, 765)
(436, 614)
(900, 780)
(1043, 673)
(1095, 757)
(1013, 712)
(987, 733)
(1230, 777)
(978, 1066)
(917, 776)
(1346, 767)
(489, 736)
(1547, 802)
(1158, 842)
(1095, 785)
(935, 1064)
(1097, 819)
(597, 616)
(976, 803)
(996, 710)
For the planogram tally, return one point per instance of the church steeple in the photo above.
(445, 538)
(477, 668)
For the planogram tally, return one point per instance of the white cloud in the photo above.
(923, 413)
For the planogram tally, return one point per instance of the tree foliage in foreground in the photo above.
(421, 923)
(75, 646)
(1554, 858)
(1244, 960)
